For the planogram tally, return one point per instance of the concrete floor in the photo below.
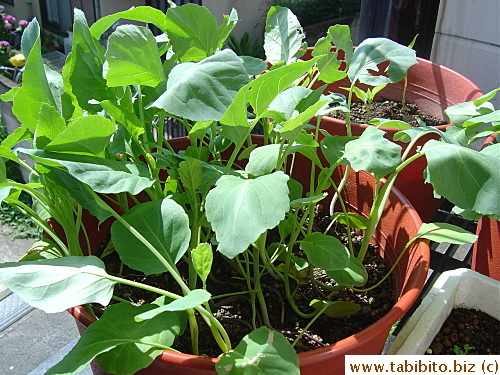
(33, 343)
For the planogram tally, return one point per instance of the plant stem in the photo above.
(309, 324)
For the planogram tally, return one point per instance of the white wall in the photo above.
(20, 10)
(467, 40)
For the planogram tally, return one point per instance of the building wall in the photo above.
(20, 9)
(467, 40)
(112, 6)
(251, 14)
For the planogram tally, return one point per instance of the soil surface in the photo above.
(235, 315)
(464, 329)
(389, 109)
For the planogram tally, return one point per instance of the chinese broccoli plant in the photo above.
(98, 146)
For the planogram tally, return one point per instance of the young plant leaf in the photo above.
(325, 251)
(283, 36)
(122, 345)
(373, 153)
(133, 58)
(63, 282)
(262, 351)
(354, 274)
(224, 30)
(467, 178)
(191, 175)
(301, 202)
(333, 148)
(193, 32)
(241, 210)
(35, 90)
(102, 175)
(336, 309)
(355, 220)
(50, 124)
(394, 124)
(263, 159)
(191, 300)
(444, 232)
(202, 258)
(83, 71)
(164, 224)
(373, 51)
(87, 135)
(203, 91)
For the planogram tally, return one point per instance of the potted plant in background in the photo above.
(220, 200)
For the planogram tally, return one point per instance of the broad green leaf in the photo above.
(35, 90)
(123, 346)
(287, 101)
(394, 124)
(144, 14)
(224, 30)
(262, 91)
(199, 129)
(333, 148)
(241, 210)
(63, 282)
(191, 300)
(325, 251)
(263, 159)
(486, 97)
(329, 68)
(373, 51)
(102, 175)
(354, 274)
(89, 135)
(193, 32)
(283, 36)
(490, 117)
(467, 178)
(336, 309)
(296, 189)
(444, 232)
(373, 153)
(191, 174)
(202, 258)
(262, 351)
(203, 91)
(83, 71)
(461, 112)
(133, 58)
(79, 191)
(21, 133)
(164, 224)
(49, 126)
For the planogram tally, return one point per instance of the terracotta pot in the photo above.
(433, 88)
(486, 250)
(399, 223)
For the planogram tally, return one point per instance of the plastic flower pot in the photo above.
(486, 251)
(433, 88)
(457, 288)
(399, 223)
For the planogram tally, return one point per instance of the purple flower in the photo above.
(11, 19)
(23, 23)
(1, 8)
(4, 43)
(7, 25)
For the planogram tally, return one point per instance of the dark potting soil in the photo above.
(389, 109)
(235, 315)
(467, 328)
